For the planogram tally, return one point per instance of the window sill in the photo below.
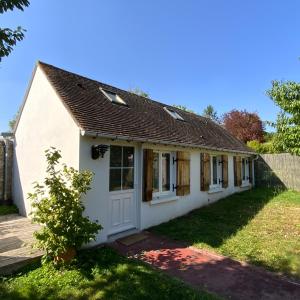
(164, 200)
(245, 184)
(215, 190)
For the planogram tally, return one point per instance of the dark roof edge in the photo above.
(128, 138)
(25, 98)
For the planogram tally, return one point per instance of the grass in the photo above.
(8, 209)
(260, 226)
(97, 274)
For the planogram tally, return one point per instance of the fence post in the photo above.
(8, 171)
(2, 170)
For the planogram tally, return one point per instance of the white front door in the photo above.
(122, 202)
(122, 211)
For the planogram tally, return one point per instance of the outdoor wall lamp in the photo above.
(99, 150)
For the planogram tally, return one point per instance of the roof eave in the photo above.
(133, 139)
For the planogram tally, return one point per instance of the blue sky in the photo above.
(192, 53)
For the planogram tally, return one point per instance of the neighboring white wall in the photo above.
(44, 122)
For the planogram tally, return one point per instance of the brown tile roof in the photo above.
(143, 119)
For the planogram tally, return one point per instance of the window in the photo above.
(113, 97)
(161, 172)
(245, 170)
(121, 171)
(173, 113)
(216, 171)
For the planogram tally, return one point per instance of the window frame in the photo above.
(119, 100)
(160, 192)
(245, 167)
(121, 169)
(174, 114)
(218, 185)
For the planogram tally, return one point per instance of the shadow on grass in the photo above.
(97, 274)
(215, 223)
(223, 276)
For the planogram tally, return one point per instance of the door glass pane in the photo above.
(165, 171)
(155, 172)
(128, 175)
(115, 156)
(243, 169)
(128, 156)
(115, 179)
(215, 175)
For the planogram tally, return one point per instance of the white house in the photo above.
(152, 162)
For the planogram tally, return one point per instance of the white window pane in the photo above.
(128, 156)
(243, 168)
(115, 156)
(155, 172)
(128, 175)
(215, 172)
(115, 179)
(165, 171)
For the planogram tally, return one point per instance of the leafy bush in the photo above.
(261, 147)
(58, 207)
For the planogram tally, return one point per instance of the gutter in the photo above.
(127, 138)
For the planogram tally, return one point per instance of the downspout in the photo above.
(253, 171)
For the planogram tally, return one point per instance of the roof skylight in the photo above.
(173, 113)
(113, 97)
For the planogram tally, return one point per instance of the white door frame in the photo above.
(136, 214)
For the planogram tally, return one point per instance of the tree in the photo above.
(139, 92)
(10, 37)
(12, 122)
(211, 113)
(244, 125)
(287, 96)
(182, 107)
(58, 207)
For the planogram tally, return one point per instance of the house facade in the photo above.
(151, 162)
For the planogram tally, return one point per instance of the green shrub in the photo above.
(57, 206)
(267, 147)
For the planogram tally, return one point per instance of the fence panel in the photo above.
(273, 170)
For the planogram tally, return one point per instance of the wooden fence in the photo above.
(278, 170)
(6, 160)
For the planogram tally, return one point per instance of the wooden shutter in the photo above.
(250, 170)
(205, 171)
(148, 174)
(183, 173)
(224, 171)
(237, 162)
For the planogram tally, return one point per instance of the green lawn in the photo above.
(97, 274)
(8, 209)
(260, 226)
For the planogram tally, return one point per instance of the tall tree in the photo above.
(244, 125)
(183, 107)
(139, 92)
(12, 122)
(211, 113)
(9, 37)
(287, 96)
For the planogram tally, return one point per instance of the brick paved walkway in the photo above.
(15, 243)
(215, 273)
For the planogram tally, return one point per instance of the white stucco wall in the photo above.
(44, 122)
(98, 198)
(158, 213)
